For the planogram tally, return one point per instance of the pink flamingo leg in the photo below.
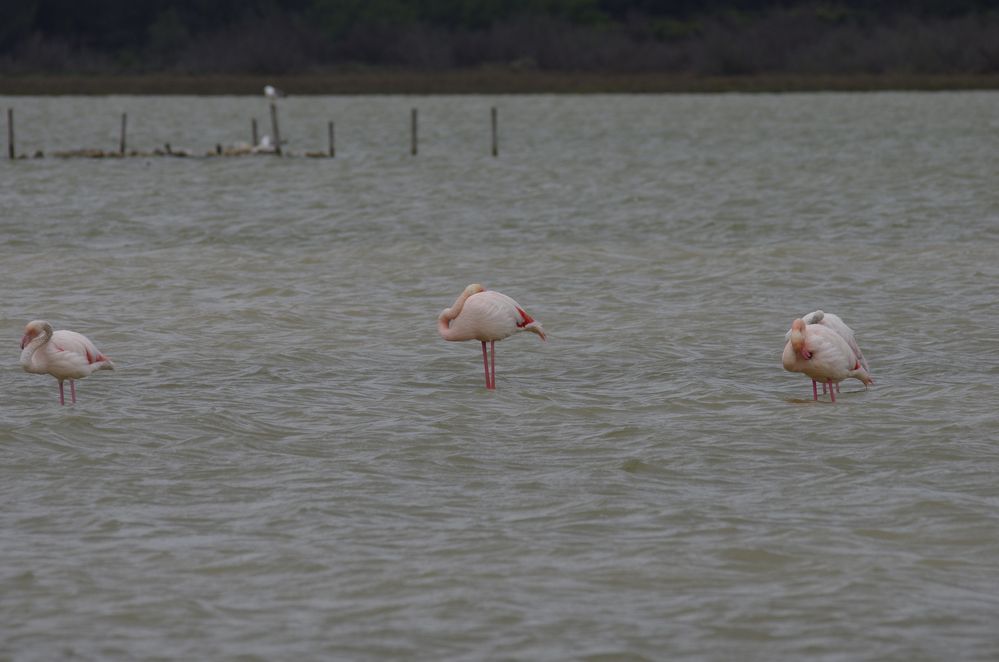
(62, 398)
(72, 391)
(832, 391)
(492, 361)
(485, 363)
(815, 390)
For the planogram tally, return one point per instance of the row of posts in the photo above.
(275, 128)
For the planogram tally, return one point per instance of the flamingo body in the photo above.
(486, 316)
(823, 355)
(62, 354)
(836, 323)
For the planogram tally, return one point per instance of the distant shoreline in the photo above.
(478, 81)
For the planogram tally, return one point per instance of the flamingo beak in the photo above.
(25, 339)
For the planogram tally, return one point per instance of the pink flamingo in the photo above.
(62, 354)
(486, 316)
(823, 355)
(835, 323)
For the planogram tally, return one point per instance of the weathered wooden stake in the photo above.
(332, 145)
(495, 133)
(276, 129)
(253, 127)
(10, 132)
(124, 124)
(413, 139)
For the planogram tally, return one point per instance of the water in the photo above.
(288, 462)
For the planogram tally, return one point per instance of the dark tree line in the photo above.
(727, 37)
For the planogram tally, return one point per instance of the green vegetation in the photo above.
(671, 38)
(478, 81)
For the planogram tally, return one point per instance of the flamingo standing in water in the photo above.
(486, 316)
(823, 355)
(835, 323)
(62, 354)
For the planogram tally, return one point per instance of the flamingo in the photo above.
(62, 354)
(835, 323)
(823, 355)
(486, 316)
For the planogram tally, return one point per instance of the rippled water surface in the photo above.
(289, 463)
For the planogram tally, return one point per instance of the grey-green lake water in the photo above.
(289, 463)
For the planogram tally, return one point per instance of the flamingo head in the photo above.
(798, 339)
(814, 317)
(474, 288)
(34, 329)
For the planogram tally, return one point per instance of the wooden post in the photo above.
(332, 144)
(276, 129)
(495, 133)
(10, 132)
(124, 123)
(413, 134)
(253, 127)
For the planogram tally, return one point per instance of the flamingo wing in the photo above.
(487, 316)
(836, 323)
(77, 343)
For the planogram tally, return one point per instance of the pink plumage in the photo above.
(822, 354)
(836, 323)
(62, 354)
(486, 316)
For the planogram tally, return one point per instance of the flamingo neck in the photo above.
(798, 343)
(28, 353)
(448, 314)
(444, 324)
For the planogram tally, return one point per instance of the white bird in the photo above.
(265, 146)
(62, 354)
(272, 92)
